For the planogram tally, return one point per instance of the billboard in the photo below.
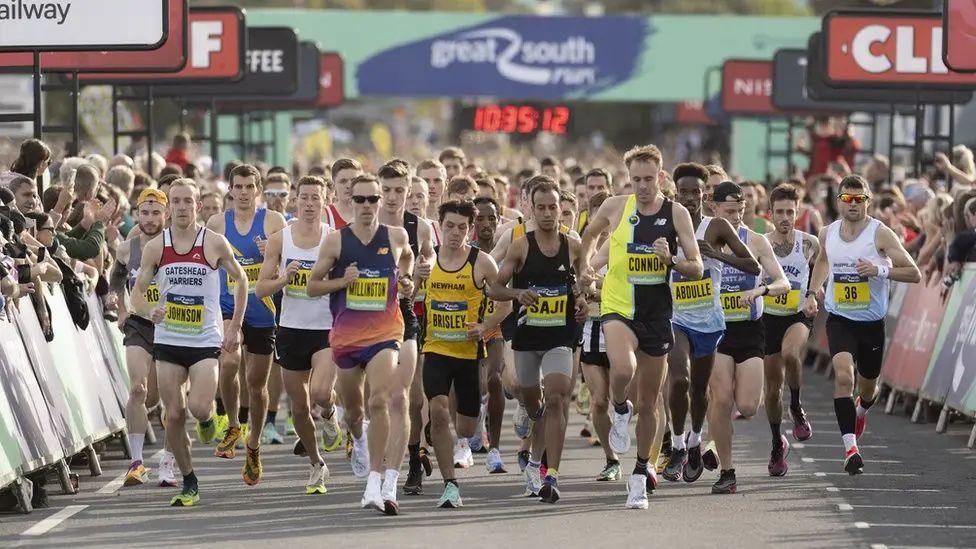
(171, 56)
(27, 25)
(304, 96)
(747, 87)
(890, 49)
(959, 36)
(790, 88)
(216, 50)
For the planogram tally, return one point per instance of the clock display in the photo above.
(520, 119)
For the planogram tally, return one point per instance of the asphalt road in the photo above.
(917, 490)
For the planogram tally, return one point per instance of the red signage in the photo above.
(959, 38)
(911, 344)
(217, 45)
(747, 87)
(902, 49)
(171, 56)
(332, 90)
(693, 112)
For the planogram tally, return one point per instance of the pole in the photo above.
(37, 95)
(891, 142)
(149, 128)
(75, 122)
(919, 133)
(274, 138)
(214, 139)
(115, 121)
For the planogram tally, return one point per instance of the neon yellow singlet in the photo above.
(630, 264)
(453, 301)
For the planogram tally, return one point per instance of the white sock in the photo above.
(694, 439)
(462, 442)
(391, 477)
(850, 441)
(678, 441)
(361, 439)
(135, 445)
(374, 478)
(861, 412)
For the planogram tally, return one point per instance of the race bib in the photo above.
(734, 307)
(368, 292)
(152, 294)
(252, 268)
(644, 267)
(550, 309)
(184, 314)
(298, 283)
(448, 320)
(692, 295)
(851, 292)
(784, 305)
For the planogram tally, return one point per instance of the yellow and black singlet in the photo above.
(453, 301)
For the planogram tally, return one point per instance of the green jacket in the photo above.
(82, 244)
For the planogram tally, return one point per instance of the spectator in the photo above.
(84, 241)
(962, 249)
(34, 158)
(25, 194)
(211, 205)
(122, 178)
(170, 169)
(876, 171)
(86, 183)
(121, 160)
(67, 165)
(179, 153)
(960, 169)
(100, 164)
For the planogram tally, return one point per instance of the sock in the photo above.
(135, 445)
(329, 414)
(795, 398)
(271, 417)
(207, 422)
(375, 478)
(846, 414)
(220, 407)
(850, 441)
(414, 451)
(551, 472)
(640, 468)
(863, 407)
(678, 441)
(535, 464)
(774, 429)
(613, 461)
(450, 481)
(694, 439)
(621, 407)
(391, 477)
(190, 481)
(243, 414)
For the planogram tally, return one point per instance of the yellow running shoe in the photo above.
(206, 434)
(349, 445)
(221, 422)
(316, 481)
(244, 430)
(137, 474)
(251, 472)
(187, 498)
(331, 435)
(226, 447)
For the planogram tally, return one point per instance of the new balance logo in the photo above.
(661, 221)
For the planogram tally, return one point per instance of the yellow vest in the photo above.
(453, 301)
(630, 263)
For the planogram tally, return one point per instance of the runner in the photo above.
(277, 190)
(344, 170)
(188, 336)
(247, 227)
(434, 173)
(597, 180)
(737, 377)
(394, 177)
(646, 229)
(698, 322)
(302, 347)
(462, 188)
(859, 255)
(453, 160)
(540, 266)
(362, 262)
(138, 340)
(787, 324)
(716, 175)
(493, 367)
(455, 327)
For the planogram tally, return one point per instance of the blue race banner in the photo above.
(515, 56)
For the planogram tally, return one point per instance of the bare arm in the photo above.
(602, 257)
(151, 255)
(502, 243)
(720, 234)
(225, 260)
(269, 282)
(318, 283)
(486, 271)
(903, 268)
(498, 289)
(404, 262)
(594, 227)
(779, 284)
(691, 265)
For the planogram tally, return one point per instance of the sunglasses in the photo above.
(847, 198)
(360, 199)
(276, 193)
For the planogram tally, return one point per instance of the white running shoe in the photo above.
(620, 430)
(360, 457)
(494, 463)
(522, 422)
(533, 481)
(477, 442)
(373, 496)
(166, 471)
(389, 489)
(463, 458)
(317, 478)
(637, 492)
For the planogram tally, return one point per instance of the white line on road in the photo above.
(861, 525)
(819, 474)
(849, 507)
(898, 525)
(801, 445)
(113, 485)
(814, 460)
(837, 489)
(46, 525)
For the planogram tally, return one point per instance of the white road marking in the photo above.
(802, 445)
(844, 507)
(837, 489)
(861, 525)
(931, 507)
(113, 485)
(819, 474)
(46, 525)
(834, 460)
(902, 525)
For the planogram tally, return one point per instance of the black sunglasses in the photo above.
(359, 199)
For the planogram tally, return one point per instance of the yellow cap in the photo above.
(150, 193)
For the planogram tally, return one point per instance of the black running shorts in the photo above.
(744, 339)
(864, 340)
(441, 372)
(138, 332)
(294, 348)
(776, 327)
(654, 335)
(184, 356)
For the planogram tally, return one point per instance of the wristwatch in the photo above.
(765, 290)
(674, 261)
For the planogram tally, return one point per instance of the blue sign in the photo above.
(516, 57)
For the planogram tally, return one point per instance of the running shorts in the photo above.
(351, 357)
(184, 356)
(294, 348)
(865, 341)
(256, 340)
(654, 335)
(744, 339)
(776, 327)
(532, 366)
(701, 344)
(441, 372)
(411, 326)
(138, 332)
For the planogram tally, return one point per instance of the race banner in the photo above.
(747, 87)
(63, 25)
(952, 368)
(912, 340)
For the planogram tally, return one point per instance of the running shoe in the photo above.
(523, 457)
(663, 460)
(289, 426)
(414, 485)
(270, 435)
(494, 463)
(585, 432)
(372, 496)
(316, 480)
(137, 474)
(861, 423)
(533, 482)
(243, 440)
(778, 465)
(462, 454)
(522, 422)
(620, 430)
(610, 472)
(221, 422)
(425, 461)
(360, 458)
(331, 434)
(710, 457)
(477, 441)
(802, 430)
(186, 498)
(251, 472)
(853, 463)
(389, 493)
(694, 467)
(651, 481)
(299, 449)
(348, 445)
(206, 434)
(226, 448)
(676, 464)
(637, 491)
(549, 492)
(725, 483)
(451, 499)
(166, 471)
